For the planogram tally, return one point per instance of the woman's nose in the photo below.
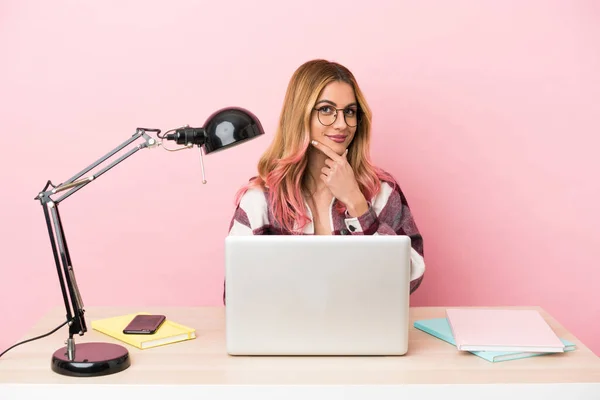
(340, 121)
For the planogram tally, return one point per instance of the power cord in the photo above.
(35, 338)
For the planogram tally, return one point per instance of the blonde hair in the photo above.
(281, 168)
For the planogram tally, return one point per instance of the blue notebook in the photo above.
(440, 328)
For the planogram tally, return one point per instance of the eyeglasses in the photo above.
(328, 114)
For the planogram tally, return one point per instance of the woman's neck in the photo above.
(312, 177)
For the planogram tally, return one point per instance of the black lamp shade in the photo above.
(228, 127)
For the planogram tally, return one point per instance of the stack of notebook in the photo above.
(496, 335)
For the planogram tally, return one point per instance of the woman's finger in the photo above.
(328, 152)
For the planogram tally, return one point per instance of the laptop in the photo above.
(317, 295)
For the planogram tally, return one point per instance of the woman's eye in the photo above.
(326, 109)
(350, 112)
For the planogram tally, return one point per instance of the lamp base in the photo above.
(91, 359)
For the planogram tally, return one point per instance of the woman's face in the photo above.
(330, 126)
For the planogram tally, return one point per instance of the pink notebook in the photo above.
(477, 329)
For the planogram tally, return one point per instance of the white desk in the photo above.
(201, 367)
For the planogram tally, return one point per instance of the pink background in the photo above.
(486, 112)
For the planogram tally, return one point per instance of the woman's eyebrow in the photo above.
(333, 104)
(327, 101)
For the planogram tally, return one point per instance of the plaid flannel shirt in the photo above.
(388, 214)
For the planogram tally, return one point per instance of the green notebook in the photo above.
(440, 328)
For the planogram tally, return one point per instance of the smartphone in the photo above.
(144, 324)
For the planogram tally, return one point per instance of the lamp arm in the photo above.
(76, 184)
(72, 298)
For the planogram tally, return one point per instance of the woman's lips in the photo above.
(338, 138)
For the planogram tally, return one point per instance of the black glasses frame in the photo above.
(337, 110)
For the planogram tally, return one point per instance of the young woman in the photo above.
(316, 177)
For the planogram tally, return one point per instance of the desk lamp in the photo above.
(225, 128)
